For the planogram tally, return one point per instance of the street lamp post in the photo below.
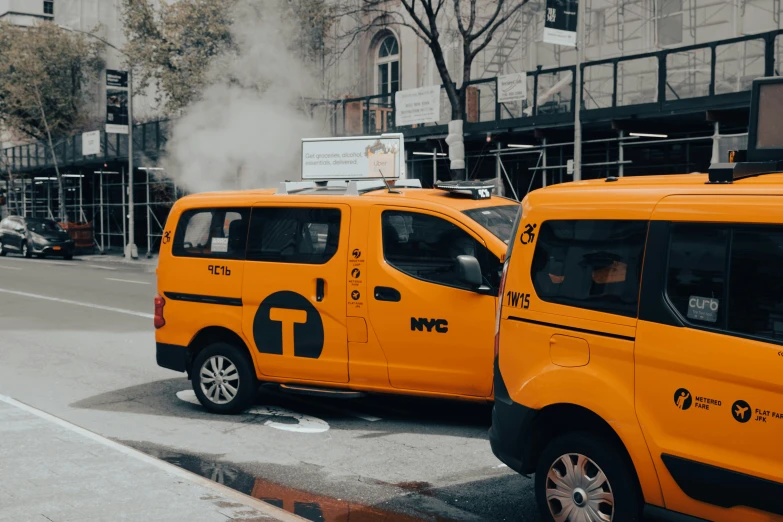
(130, 248)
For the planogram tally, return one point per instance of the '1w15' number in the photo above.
(517, 300)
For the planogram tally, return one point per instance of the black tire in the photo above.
(40, 256)
(605, 454)
(3, 251)
(247, 388)
(68, 257)
(26, 250)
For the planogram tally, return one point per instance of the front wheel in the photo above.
(224, 378)
(26, 251)
(584, 476)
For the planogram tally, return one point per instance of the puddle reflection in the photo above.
(307, 505)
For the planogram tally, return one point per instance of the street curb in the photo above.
(268, 509)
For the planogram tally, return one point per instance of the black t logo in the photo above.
(286, 323)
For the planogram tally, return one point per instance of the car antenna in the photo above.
(388, 187)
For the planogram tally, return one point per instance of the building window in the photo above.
(388, 66)
(596, 265)
(48, 7)
(670, 22)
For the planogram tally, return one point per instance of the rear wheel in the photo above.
(224, 378)
(584, 476)
(26, 252)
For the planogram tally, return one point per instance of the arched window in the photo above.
(388, 65)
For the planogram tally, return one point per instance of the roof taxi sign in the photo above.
(474, 189)
(354, 158)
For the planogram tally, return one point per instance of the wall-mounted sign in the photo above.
(91, 143)
(560, 22)
(512, 87)
(116, 102)
(360, 157)
(415, 106)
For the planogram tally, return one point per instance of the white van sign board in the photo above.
(414, 106)
(512, 87)
(360, 157)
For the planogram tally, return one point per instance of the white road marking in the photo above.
(341, 411)
(10, 267)
(128, 281)
(102, 267)
(171, 469)
(305, 423)
(79, 303)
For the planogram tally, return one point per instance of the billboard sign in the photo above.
(91, 143)
(360, 157)
(512, 87)
(416, 106)
(116, 102)
(560, 22)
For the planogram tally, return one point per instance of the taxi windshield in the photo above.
(498, 220)
(43, 225)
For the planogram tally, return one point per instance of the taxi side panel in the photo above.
(200, 292)
(551, 354)
(709, 402)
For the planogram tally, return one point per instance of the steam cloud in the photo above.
(246, 130)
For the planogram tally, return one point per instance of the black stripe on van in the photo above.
(572, 329)
(209, 299)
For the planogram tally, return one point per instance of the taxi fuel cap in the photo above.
(474, 189)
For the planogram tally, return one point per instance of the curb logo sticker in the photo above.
(166, 237)
(286, 323)
(741, 411)
(683, 399)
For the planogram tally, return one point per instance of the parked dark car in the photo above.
(28, 236)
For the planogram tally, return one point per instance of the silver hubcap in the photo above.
(578, 491)
(219, 379)
(24, 249)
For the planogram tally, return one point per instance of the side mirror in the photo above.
(469, 272)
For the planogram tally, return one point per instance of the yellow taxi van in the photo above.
(639, 348)
(333, 288)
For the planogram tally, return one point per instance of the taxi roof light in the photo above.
(474, 189)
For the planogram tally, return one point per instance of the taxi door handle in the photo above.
(319, 289)
(384, 293)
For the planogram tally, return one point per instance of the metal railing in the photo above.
(678, 80)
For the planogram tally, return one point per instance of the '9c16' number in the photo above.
(219, 270)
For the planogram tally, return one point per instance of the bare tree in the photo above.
(477, 21)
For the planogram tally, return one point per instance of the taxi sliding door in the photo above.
(294, 293)
(437, 335)
(708, 355)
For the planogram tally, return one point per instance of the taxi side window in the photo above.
(742, 295)
(696, 276)
(293, 235)
(592, 264)
(212, 232)
(426, 247)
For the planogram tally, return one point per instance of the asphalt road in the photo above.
(76, 340)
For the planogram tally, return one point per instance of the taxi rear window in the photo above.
(498, 220)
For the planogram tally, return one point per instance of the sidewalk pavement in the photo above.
(51, 470)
